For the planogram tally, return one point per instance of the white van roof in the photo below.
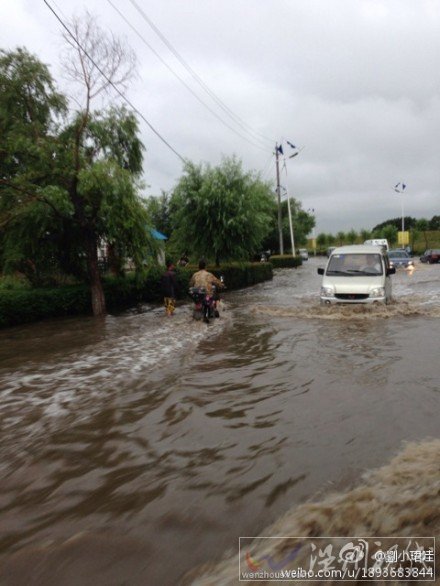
(356, 249)
(377, 242)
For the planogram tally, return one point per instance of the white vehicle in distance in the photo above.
(378, 242)
(303, 253)
(356, 274)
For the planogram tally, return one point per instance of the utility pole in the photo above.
(280, 225)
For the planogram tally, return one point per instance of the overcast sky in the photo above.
(354, 82)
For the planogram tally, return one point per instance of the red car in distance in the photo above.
(431, 256)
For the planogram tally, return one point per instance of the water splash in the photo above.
(399, 499)
(401, 308)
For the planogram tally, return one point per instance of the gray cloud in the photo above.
(356, 83)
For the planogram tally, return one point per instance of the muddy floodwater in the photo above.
(136, 447)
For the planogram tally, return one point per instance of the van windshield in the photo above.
(355, 265)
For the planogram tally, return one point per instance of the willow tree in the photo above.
(221, 212)
(31, 114)
(104, 155)
(68, 180)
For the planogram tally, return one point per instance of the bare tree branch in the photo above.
(92, 51)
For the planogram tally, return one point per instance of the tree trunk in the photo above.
(114, 261)
(97, 292)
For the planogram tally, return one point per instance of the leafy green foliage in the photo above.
(158, 209)
(30, 114)
(365, 235)
(65, 185)
(397, 222)
(352, 236)
(30, 109)
(303, 223)
(10, 282)
(434, 223)
(341, 237)
(422, 225)
(112, 135)
(321, 240)
(221, 213)
(390, 233)
(113, 208)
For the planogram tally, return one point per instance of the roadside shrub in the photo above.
(26, 305)
(258, 272)
(285, 261)
(9, 282)
(122, 291)
(19, 306)
(238, 275)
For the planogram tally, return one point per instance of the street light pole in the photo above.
(292, 238)
(403, 219)
(313, 231)
(400, 190)
(297, 151)
(280, 224)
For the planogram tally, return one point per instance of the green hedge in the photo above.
(21, 305)
(236, 275)
(239, 275)
(285, 261)
(26, 305)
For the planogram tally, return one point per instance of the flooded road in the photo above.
(136, 447)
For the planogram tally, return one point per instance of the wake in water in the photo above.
(416, 307)
(401, 499)
(85, 361)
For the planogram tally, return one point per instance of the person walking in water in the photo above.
(169, 289)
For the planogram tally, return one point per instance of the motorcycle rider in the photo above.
(203, 279)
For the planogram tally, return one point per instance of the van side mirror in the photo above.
(391, 271)
(320, 271)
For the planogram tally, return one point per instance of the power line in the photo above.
(268, 166)
(182, 80)
(196, 77)
(109, 81)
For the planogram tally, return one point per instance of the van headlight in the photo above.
(327, 292)
(377, 292)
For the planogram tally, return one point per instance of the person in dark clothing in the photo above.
(169, 289)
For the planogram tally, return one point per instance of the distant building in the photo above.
(161, 238)
(104, 251)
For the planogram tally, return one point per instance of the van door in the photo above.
(388, 285)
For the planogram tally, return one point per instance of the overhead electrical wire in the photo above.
(268, 166)
(197, 78)
(109, 81)
(133, 28)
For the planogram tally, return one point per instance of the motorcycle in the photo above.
(205, 305)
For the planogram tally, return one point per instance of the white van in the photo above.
(356, 274)
(378, 242)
